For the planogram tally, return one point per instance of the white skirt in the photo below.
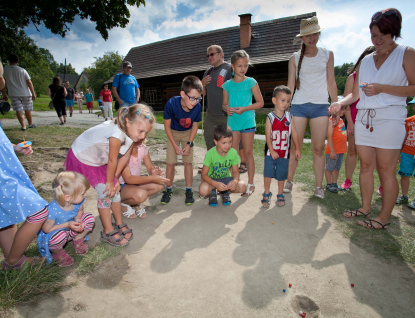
(381, 128)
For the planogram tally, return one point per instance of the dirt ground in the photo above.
(235, 261)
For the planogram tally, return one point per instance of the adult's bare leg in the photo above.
(318, 130)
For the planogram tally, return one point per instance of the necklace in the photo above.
(386, 54)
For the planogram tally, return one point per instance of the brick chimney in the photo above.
(245, 30)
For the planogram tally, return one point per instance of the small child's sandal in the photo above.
(265, 202)
(280, 200)
(80, 246)
(123, 233)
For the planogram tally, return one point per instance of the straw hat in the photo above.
(412, 101)
(309, 26)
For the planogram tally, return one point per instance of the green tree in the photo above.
(341, 74)
(102, 69)
(61, 69)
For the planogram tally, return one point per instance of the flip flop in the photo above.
(355, 213)
(369, 225)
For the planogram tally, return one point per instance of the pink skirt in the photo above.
(94, 175)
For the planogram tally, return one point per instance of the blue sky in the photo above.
(345, 22)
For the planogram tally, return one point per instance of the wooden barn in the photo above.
(160, 67)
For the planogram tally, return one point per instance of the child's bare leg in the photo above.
(248, 143)
(105, 216)
(241, 187)
(170, 173)
(328, 176)
(205, 189)
(22, 239)
(152, 188)
(188, 174)
(281, 186)
(334, 176)
(267, 186)
(404, 185)
(7, 235)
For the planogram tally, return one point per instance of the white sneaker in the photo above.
(319, 193)
(288, 186)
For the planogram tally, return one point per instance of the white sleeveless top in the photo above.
(313, 78)
(390, 73)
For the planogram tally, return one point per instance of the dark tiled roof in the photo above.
(73, 79)
(272, 41)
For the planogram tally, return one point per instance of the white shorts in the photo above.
(388, 127)
(21, 103)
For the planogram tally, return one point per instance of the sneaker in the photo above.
(226, 200)
(412, 205)
(213, 199)
(328, 186)
(380, 191)
(346, 184)
(23, 128)
(70, 115)
(288, 187)
(166, 196)
(319, 193)
(402, 200)
(33, 126)
(334, 188)
(189, 197)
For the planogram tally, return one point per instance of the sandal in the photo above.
(213, 198)
(226, 199)
(369, 225)
(21, 262)
(280, 200)
(353, 214)
(141, 212)
(243, 168)
(265, 202)
(130, 213)
(128, 230)
(248, 190)
(80, 246)
(63, 259)
(199, 170)
(111, 240)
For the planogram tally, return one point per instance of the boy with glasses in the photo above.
(182, 115)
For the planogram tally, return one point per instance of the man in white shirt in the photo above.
(21, 91)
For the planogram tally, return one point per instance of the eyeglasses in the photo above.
(211, 54)
(129, 67)
(194, 99)
(387, 14)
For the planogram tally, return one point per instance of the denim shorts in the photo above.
(309, 110)
(407, 165)
(334, 164)
(276, 168)
(248, 130)
(225, 180)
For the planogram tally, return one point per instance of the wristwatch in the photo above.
(190, 143)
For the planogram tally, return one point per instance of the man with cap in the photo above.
(125, 87)
(21, 91)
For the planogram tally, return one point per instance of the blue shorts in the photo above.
(276, 168)
(125, 104)
(248, 130)
(225, 180)
(407, 165)
(69, 102)
(309, 110)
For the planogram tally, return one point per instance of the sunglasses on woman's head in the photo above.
(387, 14)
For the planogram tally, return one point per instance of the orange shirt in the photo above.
(339, 138)
(408, 146)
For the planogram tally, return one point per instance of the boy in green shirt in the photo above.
(220, 168)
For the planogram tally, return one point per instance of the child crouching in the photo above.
(219, 163)
(67, 220)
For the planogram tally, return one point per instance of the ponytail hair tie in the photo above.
(148, 116)
(138, 112)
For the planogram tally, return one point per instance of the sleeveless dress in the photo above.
(380, 120)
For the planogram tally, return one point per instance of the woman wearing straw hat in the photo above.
(387, 77)
(311, 74)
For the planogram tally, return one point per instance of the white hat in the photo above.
(309, 26)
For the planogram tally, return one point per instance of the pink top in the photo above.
(135, 161)
(353, 109)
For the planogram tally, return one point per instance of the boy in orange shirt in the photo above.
(407, 162)
(335, 149)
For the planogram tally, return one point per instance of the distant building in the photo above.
(75, 81)
(160, 67)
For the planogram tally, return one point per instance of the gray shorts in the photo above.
(225, 180)
(104, 201)
(22, 103)
(334, 164)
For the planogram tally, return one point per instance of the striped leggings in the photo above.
(60, 238)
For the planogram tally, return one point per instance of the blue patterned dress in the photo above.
(18, 196)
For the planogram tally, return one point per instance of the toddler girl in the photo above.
(67, 220)
(135, 189)
(237, 103)
(95, 154)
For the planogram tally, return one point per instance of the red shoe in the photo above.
(380, 191)
(346, 184)
(63, 259)
(80, 246)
